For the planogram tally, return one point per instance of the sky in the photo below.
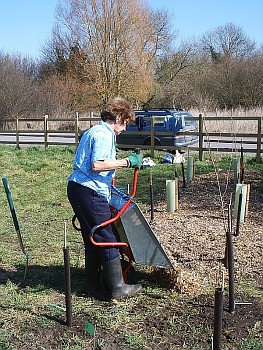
(26, 25)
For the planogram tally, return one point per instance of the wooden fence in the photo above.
(68, 129)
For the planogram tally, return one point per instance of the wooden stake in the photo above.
(68, 288)
(218, 312)
(182, 165)
(236, 170)
(247, 201)
(67, 280)
(223, 280)
(151, 194)
(65, 235)
(230, 254)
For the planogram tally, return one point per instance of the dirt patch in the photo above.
(194, 236)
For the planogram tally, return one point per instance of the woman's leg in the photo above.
(91, 210)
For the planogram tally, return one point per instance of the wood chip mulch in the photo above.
(194, 236)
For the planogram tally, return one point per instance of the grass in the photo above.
(254, 344)
(31, 311)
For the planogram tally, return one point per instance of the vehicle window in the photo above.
(189, 121)
(140, 122)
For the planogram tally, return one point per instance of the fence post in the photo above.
(258, 156)
(46, 130)
(200, 137)
(17, 133)
(76, 129)
(152, 137)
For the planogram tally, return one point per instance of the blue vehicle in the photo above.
(170, 127)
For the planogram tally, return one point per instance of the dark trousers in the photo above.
(92, 209)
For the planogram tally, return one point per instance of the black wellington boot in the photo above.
(112, 272)
(92, 271)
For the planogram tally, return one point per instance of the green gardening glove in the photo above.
(135, 160)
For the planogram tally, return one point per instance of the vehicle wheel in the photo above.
(147, 142)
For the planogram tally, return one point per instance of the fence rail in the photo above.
(69, 130)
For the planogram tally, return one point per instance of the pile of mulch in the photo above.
(194, 236)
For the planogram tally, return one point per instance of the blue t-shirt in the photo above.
(97, 143)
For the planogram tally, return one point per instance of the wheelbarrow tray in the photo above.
(134, 229)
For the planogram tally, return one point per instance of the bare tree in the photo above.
(17, 88)
(117, 43)
(171, 74)
(227, 41)
(62, 95)
(171, 64)
(251, 85)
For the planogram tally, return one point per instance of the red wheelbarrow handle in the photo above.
(115, 218)
(121, 211)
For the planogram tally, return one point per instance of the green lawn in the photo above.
(31, 310)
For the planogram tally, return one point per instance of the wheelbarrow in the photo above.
(136, 235)
(134, 231)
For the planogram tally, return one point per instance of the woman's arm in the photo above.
(109, 164)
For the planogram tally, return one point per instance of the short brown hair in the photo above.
(118, 106)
